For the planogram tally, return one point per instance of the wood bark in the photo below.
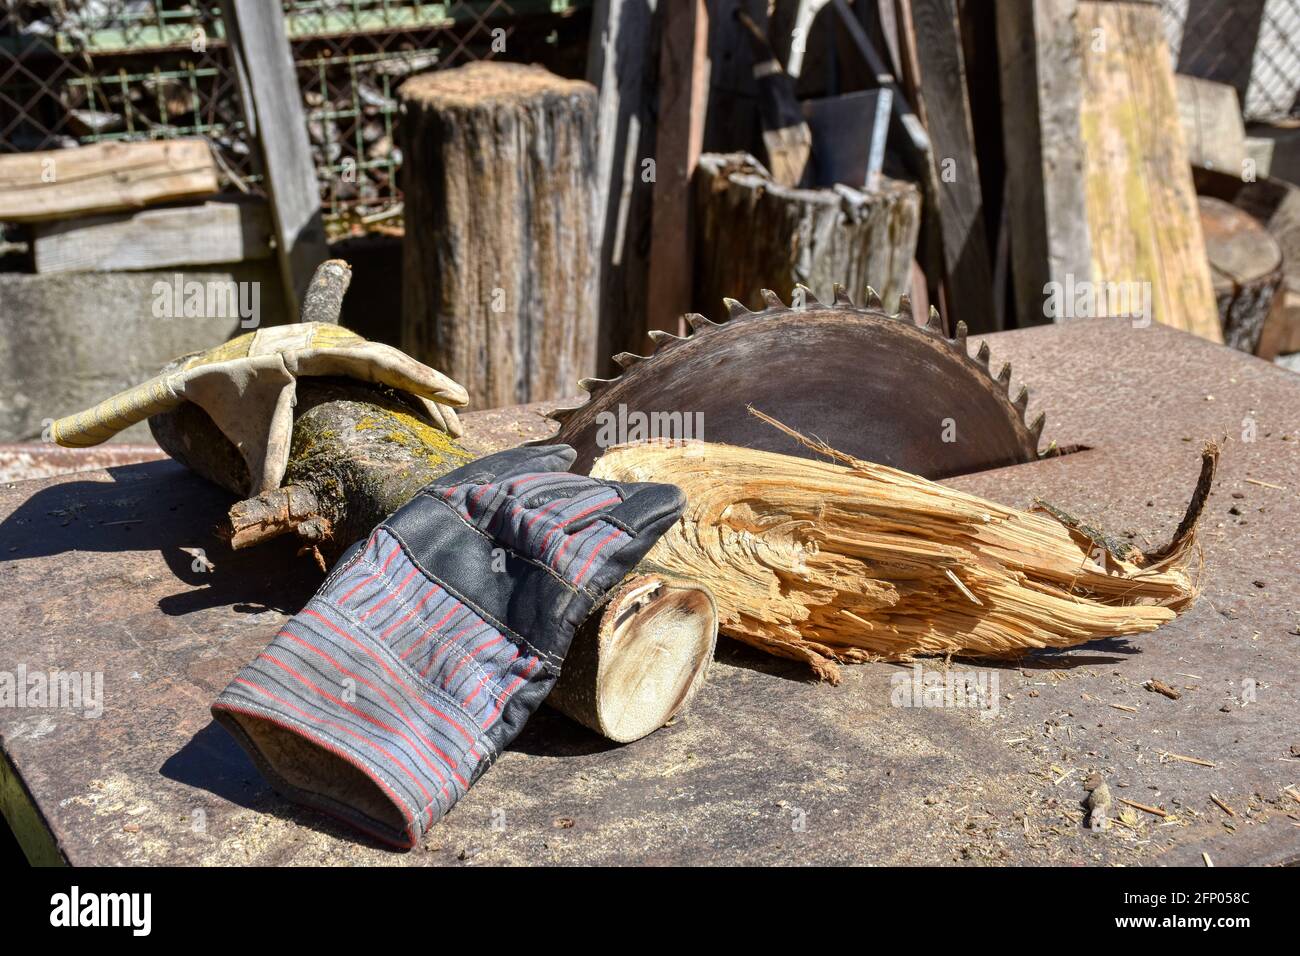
(1246, 266)
(854, 561)
(499, 279)
(752, 234)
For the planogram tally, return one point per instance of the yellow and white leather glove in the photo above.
(248, 388)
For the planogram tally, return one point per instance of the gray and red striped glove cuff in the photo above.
(432, 642)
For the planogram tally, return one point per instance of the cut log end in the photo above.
(639, 660)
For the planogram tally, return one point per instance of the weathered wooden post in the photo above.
(499, 279)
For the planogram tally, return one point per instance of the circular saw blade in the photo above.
(870, 384)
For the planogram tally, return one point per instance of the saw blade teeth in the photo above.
(806, 295)
(842, 297)
(1004, 377)
(628, 359)
(699, 323)
(661, 338)
(1036, 429)
(561, 415)
(959, 335)
(873, 299)
(772, 299)
(933, 321)
(905, 307)
(982, 356)
(1022, 401)
(735, 309)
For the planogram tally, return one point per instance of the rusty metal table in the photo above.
(766, 767)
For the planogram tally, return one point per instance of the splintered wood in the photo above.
(850, 562)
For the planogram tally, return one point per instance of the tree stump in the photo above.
(499, 267)
(752, 234)
(1245, 267)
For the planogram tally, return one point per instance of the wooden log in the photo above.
(1212, 126)
(211, 232)
(637, 661)
(1140, 203)
(1246, 264)
(105, 177)
(752, 234)
(852, 561)
(499, 283)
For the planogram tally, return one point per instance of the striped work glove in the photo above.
(432, 642)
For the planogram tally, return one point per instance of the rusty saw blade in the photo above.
(874, 385)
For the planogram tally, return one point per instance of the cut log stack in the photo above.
(499, 280)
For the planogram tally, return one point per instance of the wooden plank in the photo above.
(106, 177)
(967, 267)
(683, 87)
(1040, 55)
(1212, 126)
(272, 104)
(622, 65)
(213, 232)
(1141, 206)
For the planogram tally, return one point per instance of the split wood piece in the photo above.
(1139, 199)
(638, 660)
(499, 285)
(1246, 266)
(855, 561)
(202, 234)
(105, 177)
(813, 237)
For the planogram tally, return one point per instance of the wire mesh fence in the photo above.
(74, 72)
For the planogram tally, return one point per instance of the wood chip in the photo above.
(1223, 806)
(1157, 686)
(1156, 811)
(1185, 759)
(1131, 710)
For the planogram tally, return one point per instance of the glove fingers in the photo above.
(401, 371)
(646, 504)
